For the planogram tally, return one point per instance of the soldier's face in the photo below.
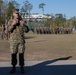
(15, 15)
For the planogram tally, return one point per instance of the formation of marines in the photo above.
(52, 30)
(4, 32)
(39, 30)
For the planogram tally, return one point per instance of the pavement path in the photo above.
(49, 67)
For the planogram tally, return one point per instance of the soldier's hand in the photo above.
(22, 23)
(15, 22)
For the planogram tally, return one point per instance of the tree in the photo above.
(16, 4)
(1, 3)
(30, 6)
(52, 20)
(9, 11)
(73, 20)
(3, 7)
(1, 14)
(11, 5)
(60, 19)
(27, 7)
(42, 6)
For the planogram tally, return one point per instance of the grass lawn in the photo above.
(44, 47)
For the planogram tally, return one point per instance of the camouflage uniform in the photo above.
(16, 38)
(16, 29)
(17, 42)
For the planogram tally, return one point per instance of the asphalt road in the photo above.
(50, 67)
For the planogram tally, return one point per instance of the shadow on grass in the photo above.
(43, 69)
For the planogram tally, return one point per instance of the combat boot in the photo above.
(22, 70)
(13, 62)
(21, 62)
(13, 70)
(21, 59)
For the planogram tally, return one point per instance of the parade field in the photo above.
(44, 47)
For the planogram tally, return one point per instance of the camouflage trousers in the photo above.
(17, 47)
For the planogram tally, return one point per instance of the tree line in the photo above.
(6, 8)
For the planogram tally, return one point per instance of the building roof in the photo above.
(37, 16)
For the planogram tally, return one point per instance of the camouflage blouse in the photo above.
(16, 32)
